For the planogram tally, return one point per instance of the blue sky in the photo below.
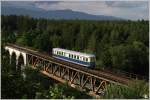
(125, 9)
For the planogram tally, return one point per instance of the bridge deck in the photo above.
(98, 73)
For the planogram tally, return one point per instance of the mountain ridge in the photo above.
(54, 14)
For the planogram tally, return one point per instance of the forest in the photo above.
(122, 45)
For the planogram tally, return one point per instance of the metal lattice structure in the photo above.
(71, 75)
(74, 75)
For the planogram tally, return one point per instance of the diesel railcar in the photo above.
(83, 59)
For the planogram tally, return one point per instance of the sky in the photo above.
(133, 10)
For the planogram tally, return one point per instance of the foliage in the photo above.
(117, 44)
(136, 90)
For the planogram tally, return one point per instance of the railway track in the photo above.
(100, 73)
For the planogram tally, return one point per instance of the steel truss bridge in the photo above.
(75, 75)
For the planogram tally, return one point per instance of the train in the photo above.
(86, 60)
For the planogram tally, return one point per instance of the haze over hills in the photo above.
(53, 14)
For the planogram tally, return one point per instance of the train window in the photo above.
(77, 57)
(83, 59)
(69, 56)
(91, 59)
(86, 59)
(94, 59)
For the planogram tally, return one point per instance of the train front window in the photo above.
(92, 59)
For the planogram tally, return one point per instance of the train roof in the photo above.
(75, 52)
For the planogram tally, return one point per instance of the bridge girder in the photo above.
(71, 76)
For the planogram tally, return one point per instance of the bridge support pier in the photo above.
(10, 59)
(18, 53)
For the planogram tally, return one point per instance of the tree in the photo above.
(115, 37)
(42, 42)
(136, 90)
(25, 39)
(56, 41)
(92, 43)
(126, 57)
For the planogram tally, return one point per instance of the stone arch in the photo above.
(17, 52)
(5, 59)
(10, 50)
(7, 51)
(20, 62)
(13, 61)
(21, 58)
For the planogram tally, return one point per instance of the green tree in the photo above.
(92, 43)
(115, 38)
(136, 90)
(42, 42)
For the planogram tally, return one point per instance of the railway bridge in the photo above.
(75, 75)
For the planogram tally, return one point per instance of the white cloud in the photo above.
(123, 9)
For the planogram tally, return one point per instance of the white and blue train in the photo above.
(84, 59)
